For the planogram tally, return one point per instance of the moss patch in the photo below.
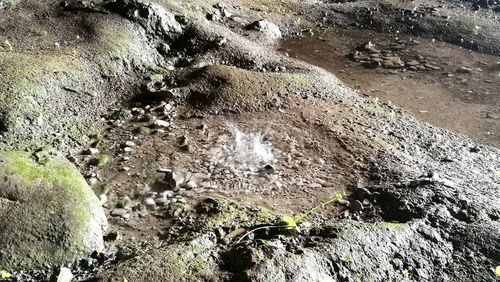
(53, 215)
(231, 88)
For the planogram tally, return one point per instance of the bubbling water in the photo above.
(247, 152)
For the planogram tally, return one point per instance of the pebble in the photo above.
(464, 70)
(129, 144)
(161, 123)
(356, 205)
(103, 199)
(127, 149)
(91, 151)
(149, 202)
(92, 181)
(190, 185)
(65, 275)
(492, 116)
(162, 201)
(119, 212)
(167, 194)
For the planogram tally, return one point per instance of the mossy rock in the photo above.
(230, 88)
(48, 214)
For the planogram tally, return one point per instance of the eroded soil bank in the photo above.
(217, 158)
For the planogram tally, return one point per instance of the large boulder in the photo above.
(48, 213)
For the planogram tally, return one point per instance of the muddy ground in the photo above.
(219, 158)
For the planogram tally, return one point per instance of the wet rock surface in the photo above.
(220, 159)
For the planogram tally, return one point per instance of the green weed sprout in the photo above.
(496, 271)
(289, 223)
(5, 275)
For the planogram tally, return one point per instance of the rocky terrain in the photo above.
(171, 141)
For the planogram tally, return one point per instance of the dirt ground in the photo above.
(467, 103)
(213, 137)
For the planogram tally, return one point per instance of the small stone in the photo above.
(149, 202)
(412, 63)
(267, 28)
(91, 151)
(190, 185)
(128, 149)
(92, 181)
(162, 201)
(464, 70)
(161, 123)
(125, 168)
(142, 130)
(123, 202)
(129, 144)
(371, 64)
(370, 47)
(356, 205)
(167, 194)
(119, 212)
(393, 62)
(492, 116)
(103, 199)
(65, 275)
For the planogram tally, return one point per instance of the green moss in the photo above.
(299, 80)
(58, 197)
(230, 213)
(395, 227)
(100, 161)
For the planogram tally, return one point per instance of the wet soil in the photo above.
(465, 102)
(311, 165)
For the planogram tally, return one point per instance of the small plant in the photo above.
(100, 161)
(5, 275)
(290, 223)
(373, 104)
(7, 45)
(496, 271)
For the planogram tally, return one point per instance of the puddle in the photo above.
(449, 87)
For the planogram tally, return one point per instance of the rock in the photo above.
(392, 62)
(464, 70)
(50, 204)
(432, 66)
(190, 185)
(371, 64)
(149, 202)
(163, 201)
(119, 212)
(161, 123)
(369, 47)
(412, 63)
(267, 28)
(65, 275)
(356, 205)
(123, 202)
(153, 17)
(91, 151)
(129, 144)
(142, 130)
(492, 116)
